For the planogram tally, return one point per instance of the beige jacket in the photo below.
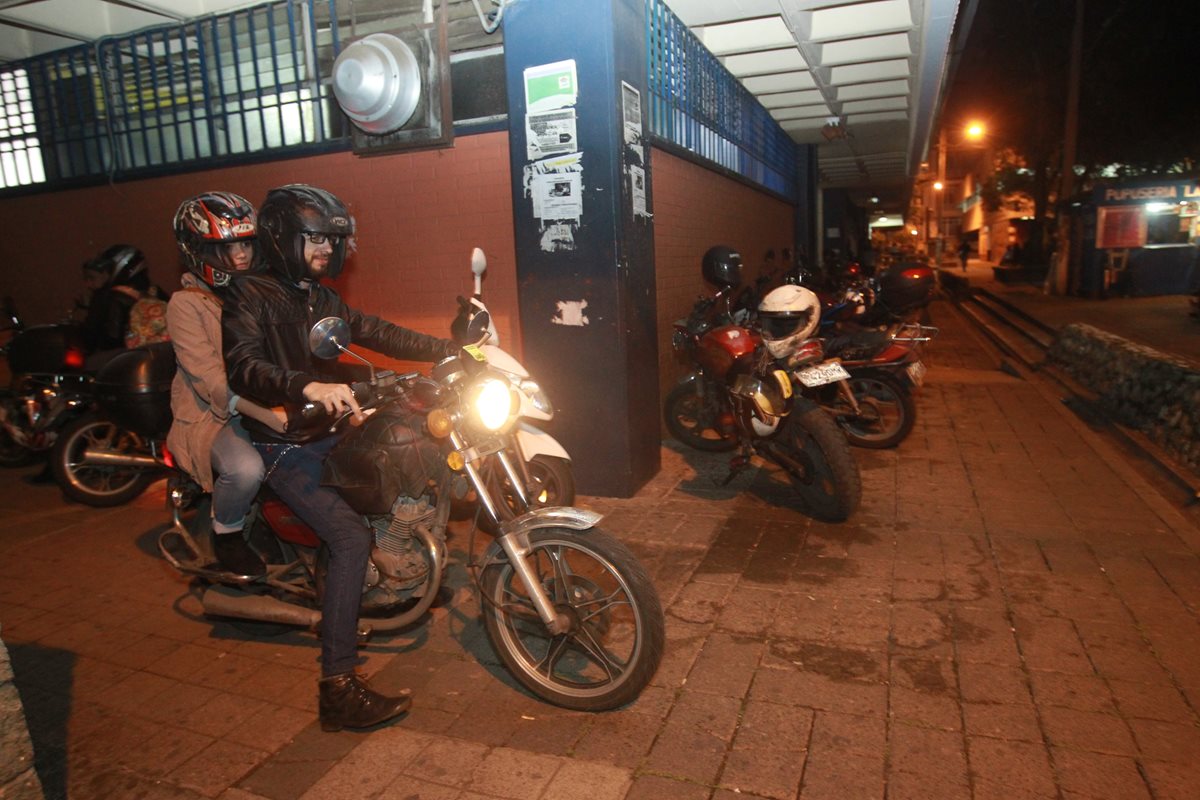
(200, 394)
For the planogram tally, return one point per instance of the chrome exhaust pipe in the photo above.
(110, 458)
(225, 601)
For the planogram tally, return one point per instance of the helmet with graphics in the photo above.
(298, 215)
(216, 232)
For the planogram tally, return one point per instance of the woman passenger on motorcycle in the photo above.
(216, 232)
(304, 233)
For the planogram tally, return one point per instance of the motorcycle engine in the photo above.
(394, 535)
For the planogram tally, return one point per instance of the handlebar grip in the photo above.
(310, 412)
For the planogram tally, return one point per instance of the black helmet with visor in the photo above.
(294, 214)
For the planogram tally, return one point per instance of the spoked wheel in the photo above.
(886, 415)
(614, 637)
(695, 419)
(817, 458)
(99, 484)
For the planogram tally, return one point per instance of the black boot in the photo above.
(347, 702)
(236, 556)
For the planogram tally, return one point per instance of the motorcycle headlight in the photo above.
(493, 403)
(533, 391)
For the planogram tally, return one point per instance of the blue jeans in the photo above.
(297, 480)
(240, 471)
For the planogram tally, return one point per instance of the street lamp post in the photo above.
(973, 132)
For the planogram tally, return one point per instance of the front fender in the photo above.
(535, 441)
(576, 519)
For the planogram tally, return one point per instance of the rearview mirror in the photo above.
(329, 337)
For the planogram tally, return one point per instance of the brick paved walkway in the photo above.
(1012, 614)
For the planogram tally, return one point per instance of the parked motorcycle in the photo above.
(48, 387)
(874, 405)
(897, 295)
(738, 396)
(567, 607)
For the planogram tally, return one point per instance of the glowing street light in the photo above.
(974, 131)
(938, 186)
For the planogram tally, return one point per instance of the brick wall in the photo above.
(694, 209)
(418, 214)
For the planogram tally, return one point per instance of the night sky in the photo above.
(1140, 90)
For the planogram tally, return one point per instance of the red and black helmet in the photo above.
(205, 226)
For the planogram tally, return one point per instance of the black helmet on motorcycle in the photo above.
(205, 227)
(722, 266)
(125, 265)
(293, 214)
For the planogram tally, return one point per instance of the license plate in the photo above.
(821, 374)
(916, 373)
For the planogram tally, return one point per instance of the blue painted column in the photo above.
(577, 103)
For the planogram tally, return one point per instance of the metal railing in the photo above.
(248, 83)
(697, 105)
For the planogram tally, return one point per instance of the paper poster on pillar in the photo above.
(631, 116)
(637, 187)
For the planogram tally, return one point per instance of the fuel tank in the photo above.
(722, 347)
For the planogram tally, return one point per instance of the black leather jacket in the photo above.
(264, 328)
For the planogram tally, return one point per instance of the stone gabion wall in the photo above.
(18, 781)
(1153, 392)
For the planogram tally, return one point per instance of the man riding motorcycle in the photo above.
(304, 233)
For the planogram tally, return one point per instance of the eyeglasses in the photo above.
(322, 238)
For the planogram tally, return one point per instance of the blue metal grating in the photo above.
(246, 84)
(697, 105)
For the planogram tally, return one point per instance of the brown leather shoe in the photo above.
(347, 702)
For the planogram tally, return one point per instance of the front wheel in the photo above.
(698, 419)
(551, 483)
(98, 484)
(887, 411)
(817, 457)
(614, 639)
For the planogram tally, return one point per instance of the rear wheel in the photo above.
(614, 636)
(93, 483)
(698, 419)
(887, 411)
(814, 452)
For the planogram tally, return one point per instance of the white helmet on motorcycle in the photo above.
(789, 314)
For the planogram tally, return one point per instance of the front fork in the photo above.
(514, 541)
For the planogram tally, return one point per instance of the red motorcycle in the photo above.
(875, 404)
(739, 397)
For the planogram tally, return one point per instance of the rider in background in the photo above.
(216, 233)
(107, 320)
(304, 233)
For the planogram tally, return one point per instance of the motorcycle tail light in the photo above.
(808, 352)
(73, 358)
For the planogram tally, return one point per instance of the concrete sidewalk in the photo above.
(1011, 614)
